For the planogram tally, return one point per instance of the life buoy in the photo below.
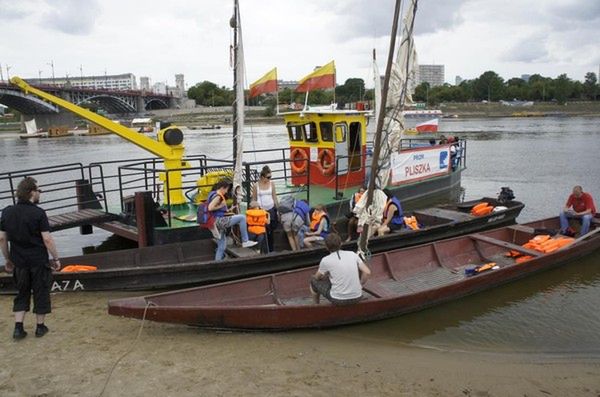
(298, 156)
(326, 166)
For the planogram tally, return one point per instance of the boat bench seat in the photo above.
(241, 252)
(377, 290)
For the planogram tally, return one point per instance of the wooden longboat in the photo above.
(402, 281)
(191, 263)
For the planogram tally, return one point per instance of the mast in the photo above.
(377, 144)
(233, 22)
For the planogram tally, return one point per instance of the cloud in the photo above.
(366, 18)
(527, 49)
(11, 12)
(576, 11)
(71, 16)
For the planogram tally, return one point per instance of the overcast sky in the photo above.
(159, 38)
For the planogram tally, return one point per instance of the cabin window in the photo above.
(326, 131)
(295, 132)
(340, 133)
(311, 133)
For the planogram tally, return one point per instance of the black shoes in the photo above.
(19, 334)
(41, 330)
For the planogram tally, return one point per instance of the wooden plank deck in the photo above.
(79, 218)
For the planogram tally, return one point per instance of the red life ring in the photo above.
(326, 166)
(298, 156)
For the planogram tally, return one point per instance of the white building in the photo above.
(126, 81)
(432, 74)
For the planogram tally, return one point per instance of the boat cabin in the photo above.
(325, 145)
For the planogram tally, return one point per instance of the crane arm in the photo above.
(153, 146)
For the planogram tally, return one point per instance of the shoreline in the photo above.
(84, 343)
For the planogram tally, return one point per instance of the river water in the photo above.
(541, 159)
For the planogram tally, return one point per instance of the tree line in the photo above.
(487, 87)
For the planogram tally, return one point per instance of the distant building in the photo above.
(525, 77)
(159, 88)
(291, 84)
(179, 90)
(126, 81)
(458, 80)
(145, 83)
(432, 74)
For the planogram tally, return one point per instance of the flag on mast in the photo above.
(428, 126)
(264, 85)
(323, 77)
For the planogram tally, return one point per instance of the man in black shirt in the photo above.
(25, 226)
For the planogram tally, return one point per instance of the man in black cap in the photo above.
(25, 226)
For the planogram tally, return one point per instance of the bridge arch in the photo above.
(24, 103)
(109, 103)
(155, 103)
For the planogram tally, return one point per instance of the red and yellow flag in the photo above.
(267, 83)
(323, 77)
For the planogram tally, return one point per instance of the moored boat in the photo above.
(402, 281)
(192, 263)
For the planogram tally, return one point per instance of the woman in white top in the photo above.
(265, 194)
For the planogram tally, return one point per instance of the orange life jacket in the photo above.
(78, 268)
(357, 197)
(256, 219)
(315, 221)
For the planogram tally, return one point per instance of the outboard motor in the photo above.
(506, 195)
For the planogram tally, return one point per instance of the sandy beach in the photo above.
(84, 343)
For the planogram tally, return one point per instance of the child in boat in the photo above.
(337, 278)
(257, 220)
(319, 226)
(218, 207)
(393, 217)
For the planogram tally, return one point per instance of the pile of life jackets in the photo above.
(542, 243)
(482, 209)
(411, 222)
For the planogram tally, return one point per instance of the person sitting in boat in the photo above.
(264, 192)
(295, 221)
(225, 219)
(257, 220)
(393, 217)
(453, 152)
(319, 226)
(337, 278)
(580, 205)
(352, 218)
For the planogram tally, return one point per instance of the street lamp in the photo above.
(51, 64)
(8, 72)
(81, 71)
(39, 77)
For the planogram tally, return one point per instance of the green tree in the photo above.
(352, 90)
(489, 86)
(590, 86)
(563, 88)
(209, 94)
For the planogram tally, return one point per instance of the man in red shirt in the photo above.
(580, 205)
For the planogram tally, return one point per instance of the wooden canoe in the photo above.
(180, 265)
(402, 281)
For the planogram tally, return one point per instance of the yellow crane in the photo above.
(168, 146)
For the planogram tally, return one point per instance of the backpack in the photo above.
(286, 204)
(204, 217)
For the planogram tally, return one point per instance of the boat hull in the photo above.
(191, 263)
(221, 310)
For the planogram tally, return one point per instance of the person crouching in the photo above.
(337, 278)
(257, 220)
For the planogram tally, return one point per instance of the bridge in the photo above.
(112, 101)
